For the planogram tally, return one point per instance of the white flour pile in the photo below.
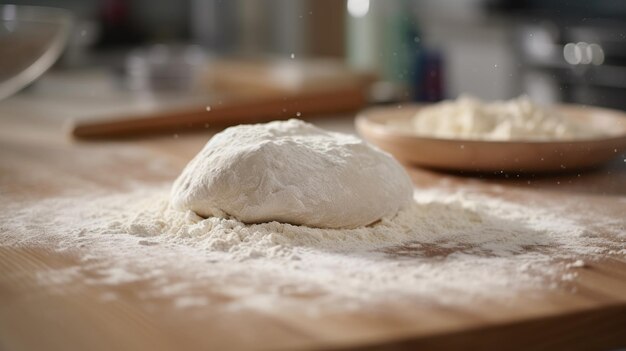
(516, 119)
(448, 247)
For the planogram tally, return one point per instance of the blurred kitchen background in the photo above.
(421, 50)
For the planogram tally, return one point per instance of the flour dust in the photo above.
(448, 247)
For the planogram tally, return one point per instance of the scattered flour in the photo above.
(516, 119)
(447, 247)
(576, 264)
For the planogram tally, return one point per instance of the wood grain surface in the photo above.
(39, 161)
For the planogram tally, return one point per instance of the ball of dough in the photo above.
(292, 172)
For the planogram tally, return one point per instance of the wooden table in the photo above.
(38, 161)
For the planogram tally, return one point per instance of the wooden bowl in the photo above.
(495, 156)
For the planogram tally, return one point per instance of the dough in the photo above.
(292, 172)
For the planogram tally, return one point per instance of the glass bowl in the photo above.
(31, 40)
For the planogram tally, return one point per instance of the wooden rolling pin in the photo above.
(301, 105)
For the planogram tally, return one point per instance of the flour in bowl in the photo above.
(516, 119)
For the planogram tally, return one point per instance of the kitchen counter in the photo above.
(38, 161)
